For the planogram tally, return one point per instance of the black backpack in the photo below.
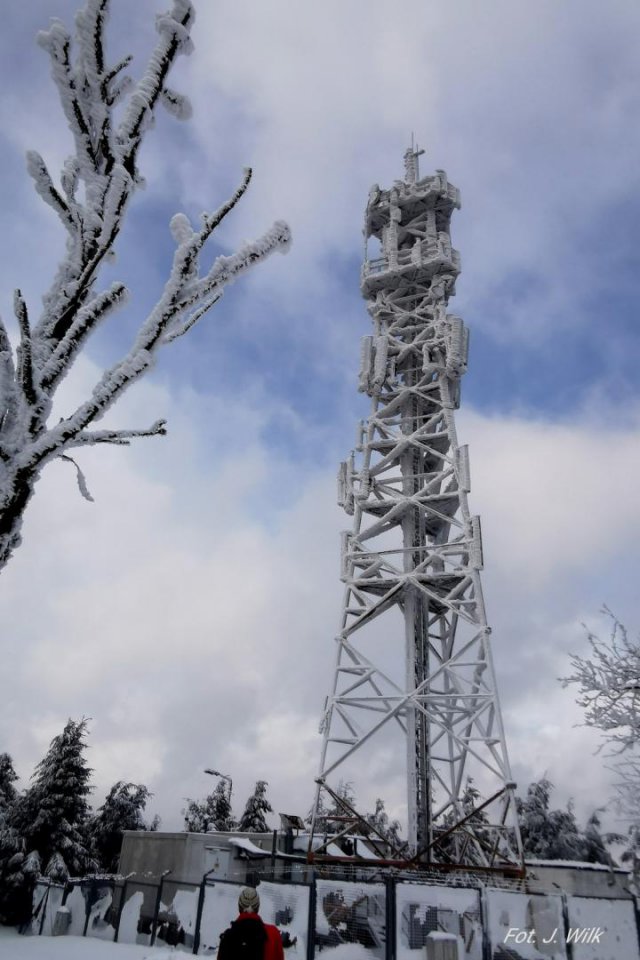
(244, 940)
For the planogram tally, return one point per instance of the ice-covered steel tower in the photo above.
(413, 652)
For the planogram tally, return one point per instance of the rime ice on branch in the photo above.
(91, 200)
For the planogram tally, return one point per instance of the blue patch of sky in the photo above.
(246, 340)
(247, 343)
(593, 341)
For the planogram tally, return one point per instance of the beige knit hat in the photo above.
(249, 901)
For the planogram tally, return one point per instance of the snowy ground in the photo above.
(15, 947)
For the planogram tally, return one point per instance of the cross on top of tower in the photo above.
(411, 169)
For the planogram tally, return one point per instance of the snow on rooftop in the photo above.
(250, 847)
(580, 864)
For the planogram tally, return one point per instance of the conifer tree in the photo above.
(212, 813)
(222, 814)
(122, 809)
(337, 812)
(53, 814)
(8, 776)
(253, 819)
(555, 834)
(16, 872)
(458, 846)
(595, 850)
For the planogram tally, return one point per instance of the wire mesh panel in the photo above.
(177, 915)
(287, 906)
(90, 904)
(350, 913)
(136, 917)
(602, 929)
(76, 905)
(101, 923)
(219, 908)
(525, 927)
(47, 897)
(422, 909)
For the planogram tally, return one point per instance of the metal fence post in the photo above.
(87, 907)
(44, 902)
(390, 918)
(311, 928)
(196, 933)
(156, 910)
(565, 920)
(637, 919)
(484, 924)
(123, 897)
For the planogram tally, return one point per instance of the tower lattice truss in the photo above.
(414, 671)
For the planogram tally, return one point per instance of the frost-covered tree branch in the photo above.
(609, 691)
(91, 199)
(609, 685)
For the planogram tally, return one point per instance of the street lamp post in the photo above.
(223, 776)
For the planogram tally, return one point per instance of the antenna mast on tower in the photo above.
(414, 669)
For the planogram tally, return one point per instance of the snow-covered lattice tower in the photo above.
(413, 654)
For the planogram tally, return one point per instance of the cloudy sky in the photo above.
(190, 611)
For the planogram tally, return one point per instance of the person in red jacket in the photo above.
(249, 937)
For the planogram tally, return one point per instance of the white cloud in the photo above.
(556, 492)
(195, 632)
(523, 104)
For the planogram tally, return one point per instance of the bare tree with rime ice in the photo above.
(95, 187)
(608, 684)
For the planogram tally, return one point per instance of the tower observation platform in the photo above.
(414, 679)
(411, 222)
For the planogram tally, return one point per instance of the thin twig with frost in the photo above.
(91, 199)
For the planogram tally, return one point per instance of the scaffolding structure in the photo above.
(413, 652)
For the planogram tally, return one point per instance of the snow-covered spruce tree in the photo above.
(456, 847)
(337, 812)
(335, 817)
(108, 118)
(253, 818)
(18, 873)
(122, 810)
(16, 878)
(330, 815)
(8, 777)
(53, 814)
(221, 803)
(555, 834)
(212, 813)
